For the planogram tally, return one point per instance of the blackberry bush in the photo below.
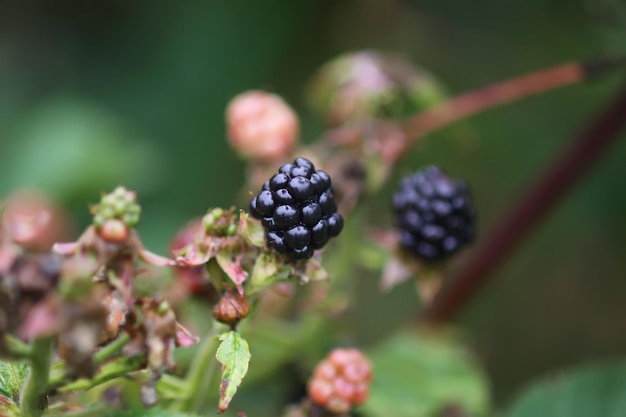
(297, 209)
(434, 214)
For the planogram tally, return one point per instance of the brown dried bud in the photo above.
(231, 308)
(261, 126)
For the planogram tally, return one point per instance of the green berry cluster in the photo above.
(220, 222)
(119, 204)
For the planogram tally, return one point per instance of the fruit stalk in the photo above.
(201, 372)
(546, 191)
(503, 92)
(33, 401)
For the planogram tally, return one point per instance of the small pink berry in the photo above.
(261, 126)
(320, 390)
(343, 388)
(338, 404)
(114, 231)
(361, 392)
(325, 370)
(341, 381)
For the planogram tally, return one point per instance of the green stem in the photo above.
(60, 374)
(33, 400)
(114, 369)
(17, 349)
(172, 387)
(201, 373)
(111, 349)
(95, 411)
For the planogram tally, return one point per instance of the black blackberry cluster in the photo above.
(434, 214)
(297, 209)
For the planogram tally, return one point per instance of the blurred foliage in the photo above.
(142, 412)
(93, 94)
(421, 375)
(12, 376)
(70, 149)
(593, 391)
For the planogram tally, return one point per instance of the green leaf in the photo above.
(591, 391)
(12, 377)
(234, 355)
(418, 375)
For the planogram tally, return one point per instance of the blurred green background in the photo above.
(93, 94)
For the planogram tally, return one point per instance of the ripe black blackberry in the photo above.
(298, 210)
(434, 214)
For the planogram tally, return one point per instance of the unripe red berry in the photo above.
(261, 126)
(341, 381)
(114, 231)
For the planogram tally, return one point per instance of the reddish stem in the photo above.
(491, 96)
(546, 191)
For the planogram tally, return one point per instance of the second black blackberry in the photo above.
(297, 209)
(434, 214)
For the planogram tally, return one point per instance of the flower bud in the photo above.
(261, 126)
(231, 308)
(371, 84)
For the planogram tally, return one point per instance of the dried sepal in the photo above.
(251, 230)
(220, 222)
(268, 270)
(231, 265)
